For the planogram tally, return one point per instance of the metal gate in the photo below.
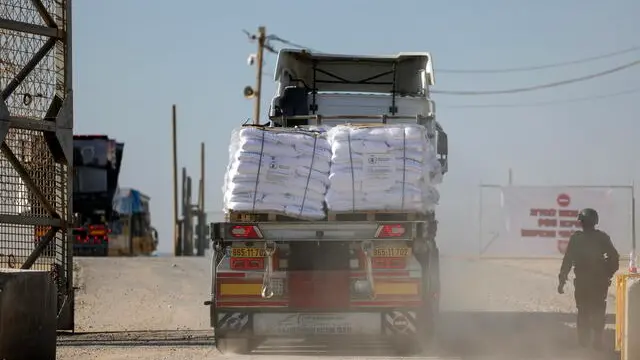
(36, 126)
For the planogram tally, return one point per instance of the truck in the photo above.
(360, 274)
(131, 229)
(110, 221)
(97, 160)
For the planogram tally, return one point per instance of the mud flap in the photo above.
(233, 332)
(233, 323)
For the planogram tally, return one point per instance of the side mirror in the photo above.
(442, 149)
(442, 144)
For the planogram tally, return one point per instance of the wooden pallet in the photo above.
(373, 215)
(251, 216)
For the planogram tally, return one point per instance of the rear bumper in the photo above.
(90, 249)
(369, 322)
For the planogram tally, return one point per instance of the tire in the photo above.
(241, 346)
(429, 313)
(407, 346)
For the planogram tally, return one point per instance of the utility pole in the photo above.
(255, 93)
(262, 38)
(201, 214)
(177, 246)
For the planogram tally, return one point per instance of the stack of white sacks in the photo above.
(295, 172)
(391, 168)
(285, 171)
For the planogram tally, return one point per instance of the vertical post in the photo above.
(262, 36)
(187, 219)
(184, 212)
(177, 249)
(510, 176)
(201, 192)
(66, 317)
(481, 187)
(633, 219)
(201, 208)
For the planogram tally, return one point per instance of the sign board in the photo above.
(317, 324)
(538, 221)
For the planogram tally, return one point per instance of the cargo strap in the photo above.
(267, 284)
(367, 249)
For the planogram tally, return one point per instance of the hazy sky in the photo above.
(134, 58)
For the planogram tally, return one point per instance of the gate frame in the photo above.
(482, 186)
(57, 128)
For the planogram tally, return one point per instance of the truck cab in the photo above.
(362, 274)
(326, 89)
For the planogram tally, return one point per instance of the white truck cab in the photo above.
(329, 89)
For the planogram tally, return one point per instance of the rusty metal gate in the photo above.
(36, 126)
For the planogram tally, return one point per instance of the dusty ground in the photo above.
(151, 308)
(140, 308)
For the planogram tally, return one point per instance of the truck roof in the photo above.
(90, 137)
(357, 73)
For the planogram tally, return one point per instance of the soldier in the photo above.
(594, 260)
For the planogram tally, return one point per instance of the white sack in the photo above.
(286, 171)
(392, 167)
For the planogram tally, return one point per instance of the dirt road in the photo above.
(151, 308)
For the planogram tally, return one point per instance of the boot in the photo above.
(597, 342)
(584, 337)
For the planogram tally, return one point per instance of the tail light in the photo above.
(390, 231)
(245, 232)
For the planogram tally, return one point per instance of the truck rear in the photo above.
(97, 161)
(361, 272)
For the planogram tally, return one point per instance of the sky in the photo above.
(134, 59)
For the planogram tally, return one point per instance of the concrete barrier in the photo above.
(27, 315)
(631, 340)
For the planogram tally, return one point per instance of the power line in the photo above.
(273, 37)
(290, 43)
(540, 67)
(538, 87)
(544, 103)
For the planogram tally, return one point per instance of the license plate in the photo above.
(247, 252)
(392, 252)
(246, 217)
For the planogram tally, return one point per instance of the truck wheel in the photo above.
(233, 345)
(429, 325)
(407, 346)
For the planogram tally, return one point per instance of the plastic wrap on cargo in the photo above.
(285, 171)
(390, 167)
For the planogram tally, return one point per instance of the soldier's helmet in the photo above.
(589, 216)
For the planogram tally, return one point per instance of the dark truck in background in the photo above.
(97, 161)
(110, 221)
